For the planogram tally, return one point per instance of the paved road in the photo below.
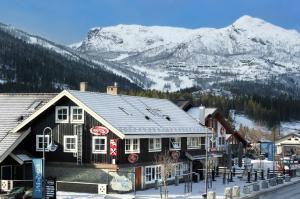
(290, 192)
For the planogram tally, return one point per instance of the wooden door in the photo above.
(138, 178)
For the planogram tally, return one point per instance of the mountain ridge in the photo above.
(170, 58)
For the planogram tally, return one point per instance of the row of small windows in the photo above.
(62, 114)
(153, 173)
(70, 143)
(99, 144)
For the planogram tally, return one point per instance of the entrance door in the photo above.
(138, 178)
(198, 168)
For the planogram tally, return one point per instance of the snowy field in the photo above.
(285, 127)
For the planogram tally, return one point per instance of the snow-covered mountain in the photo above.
(168, 58)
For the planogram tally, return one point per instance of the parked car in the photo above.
(15, 193)
(28, 194)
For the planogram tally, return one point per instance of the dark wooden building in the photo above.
(103, 138)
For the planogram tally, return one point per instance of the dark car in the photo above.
(15, 193)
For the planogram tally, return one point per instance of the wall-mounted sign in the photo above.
(175, 155)
(222, 130)
(50, 188)
(121, 182)
(132, 158)
(37, 173)
(99, 130)
(113, 147)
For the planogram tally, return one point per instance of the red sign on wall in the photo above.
(113, 147)
(133, 158)
(99, 130)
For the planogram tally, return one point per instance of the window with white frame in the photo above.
(77, 114)
(154, 144)
(152, 173)
(41, 142)
(193, 142)
(70, 143)
(99, 144)
(132, 146)
(175, 143)
(178, 169)
(203, 142)
(61, 114)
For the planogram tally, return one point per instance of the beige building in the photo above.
(288, 145)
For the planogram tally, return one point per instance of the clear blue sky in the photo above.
(67, 21)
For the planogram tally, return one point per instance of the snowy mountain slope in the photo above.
(30, 63)
(167, 58)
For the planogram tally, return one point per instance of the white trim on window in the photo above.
(59, 120)
(78, 115)
(175, 143)
(132, 146)
(193, 142)
(152, 173)
(70, 147)
(39, 139)
(99, 151)
(155, 146)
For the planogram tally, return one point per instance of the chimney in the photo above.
(112, 90)
(202, 115)
(83, 86)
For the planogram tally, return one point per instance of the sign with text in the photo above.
(99, 130)
(50, 188)
(113, 147)
(37, 173)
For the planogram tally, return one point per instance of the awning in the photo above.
(195, 155)
(200, 156)
(21, 156)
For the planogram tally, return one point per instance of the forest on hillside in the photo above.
(32, 68)
(263, 109)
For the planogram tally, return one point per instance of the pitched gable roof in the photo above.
(140, 115)
(14, 108)
(129, 115)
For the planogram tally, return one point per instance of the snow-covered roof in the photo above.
(195, 112)
(139, 115)
(130, 115)
(14, 108)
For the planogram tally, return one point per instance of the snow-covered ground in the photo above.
(285, 127)
(174, 191)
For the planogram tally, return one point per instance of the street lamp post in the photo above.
(52, 147)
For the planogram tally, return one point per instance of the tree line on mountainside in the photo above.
(32, 68)
(265, 109)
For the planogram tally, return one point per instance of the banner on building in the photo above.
(37, 173)
(113, 147)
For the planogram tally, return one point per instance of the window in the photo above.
(77, 115)
(99, 144)
(70, 143)
(193, 143)
(203, 142)
(154, 144)
(39, 142)
(178, 169)
(152, 173)
(132, 146)
(61, 114)
(175, 143)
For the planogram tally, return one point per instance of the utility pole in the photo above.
(206, 162)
